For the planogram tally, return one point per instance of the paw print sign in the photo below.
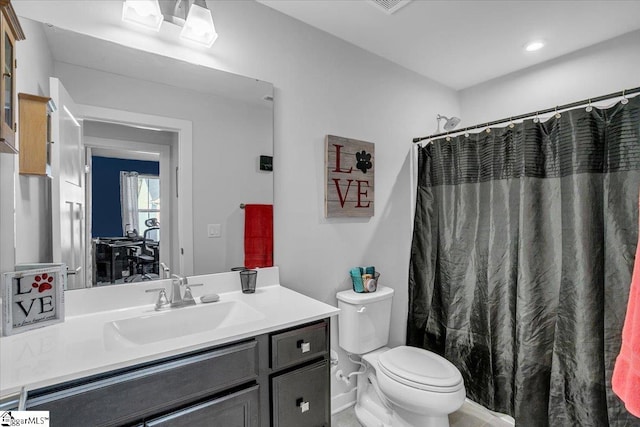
(33, 298)
(363, 161)
(349, 177)
(42, 282)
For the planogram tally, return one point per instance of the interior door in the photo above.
(68, 186)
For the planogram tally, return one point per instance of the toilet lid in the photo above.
(420, 369)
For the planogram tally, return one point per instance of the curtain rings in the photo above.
(511, 124)
(557, 115)
(536, 119)
(589, 107)
(624, 100)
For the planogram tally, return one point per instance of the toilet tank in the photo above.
(363, 322)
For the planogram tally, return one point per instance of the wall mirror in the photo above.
(145, 113)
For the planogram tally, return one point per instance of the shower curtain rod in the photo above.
(535, 113)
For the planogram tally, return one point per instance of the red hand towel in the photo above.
(626, 373)
(258, 236)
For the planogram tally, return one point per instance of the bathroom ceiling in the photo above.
(464, 43)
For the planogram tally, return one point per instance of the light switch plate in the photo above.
(214, 230)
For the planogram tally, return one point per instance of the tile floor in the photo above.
(470, 417)
(345, 418)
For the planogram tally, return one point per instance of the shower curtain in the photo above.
(521, 260)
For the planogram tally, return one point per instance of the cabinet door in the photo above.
(301, 397)
(239, 409)
(7, 50)
(121, 398)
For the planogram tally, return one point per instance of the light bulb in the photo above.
(534, 45)
(142, 7)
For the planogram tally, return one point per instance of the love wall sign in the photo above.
(349, 173)
(32, 299)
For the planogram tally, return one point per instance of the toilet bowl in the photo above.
(402, 386)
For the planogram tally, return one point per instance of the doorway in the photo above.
(128, 197)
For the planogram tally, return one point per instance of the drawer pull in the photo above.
(304, 406)
(304, 346)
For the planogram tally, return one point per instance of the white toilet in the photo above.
(403, 386)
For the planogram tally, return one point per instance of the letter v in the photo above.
(342, 199)
(20, 304)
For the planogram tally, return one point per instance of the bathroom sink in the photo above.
(179, 322)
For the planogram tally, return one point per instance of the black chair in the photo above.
(150, 251)
(145, 262)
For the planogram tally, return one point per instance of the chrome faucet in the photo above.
(177, 299)
(166, 274)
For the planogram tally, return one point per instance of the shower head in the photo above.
(449, 124)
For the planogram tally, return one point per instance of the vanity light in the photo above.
(145, 13)
(192, 15)
(534, 45)
(198, 26)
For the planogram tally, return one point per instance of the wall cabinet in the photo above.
(10, 32)
(279, 379)
(35, 153)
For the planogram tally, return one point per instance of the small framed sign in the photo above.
(32, 299)
(349, 177)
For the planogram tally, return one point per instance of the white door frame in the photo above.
(161, 154)
(184, 129)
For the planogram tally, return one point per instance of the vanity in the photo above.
(257, 359)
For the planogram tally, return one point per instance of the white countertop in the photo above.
(80, 346)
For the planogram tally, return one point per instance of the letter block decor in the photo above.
(32, 299)
(349, 177)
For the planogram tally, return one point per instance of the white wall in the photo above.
(32, 193)
(601, 69)
(323, 85)
(326, 86)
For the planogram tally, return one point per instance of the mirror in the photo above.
(206, 128)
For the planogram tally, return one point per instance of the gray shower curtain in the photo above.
(523, 247)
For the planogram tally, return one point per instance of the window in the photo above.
(148, 201)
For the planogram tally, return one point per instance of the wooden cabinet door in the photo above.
(301, 397)
(239, 409)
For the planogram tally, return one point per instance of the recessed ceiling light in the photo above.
(534, 45)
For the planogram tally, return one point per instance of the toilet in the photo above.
(397, 387)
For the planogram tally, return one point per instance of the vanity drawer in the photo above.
(239, 409)
(130, 395)
(299, 345)
(301, 397)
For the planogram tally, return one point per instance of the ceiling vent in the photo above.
(390, 6)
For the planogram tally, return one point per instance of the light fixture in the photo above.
(198, 26)
(192, 15)
(534, 45)
(144, 13)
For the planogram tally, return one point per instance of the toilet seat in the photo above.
(420, 369)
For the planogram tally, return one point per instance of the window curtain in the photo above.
(129, 201)
(524, 242)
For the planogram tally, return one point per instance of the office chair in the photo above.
(145, 260)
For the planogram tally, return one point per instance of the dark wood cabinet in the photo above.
(301, 397)
(279, 379)
(300, 387)
(239, 409)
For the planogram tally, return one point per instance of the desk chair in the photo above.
(144, 261)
